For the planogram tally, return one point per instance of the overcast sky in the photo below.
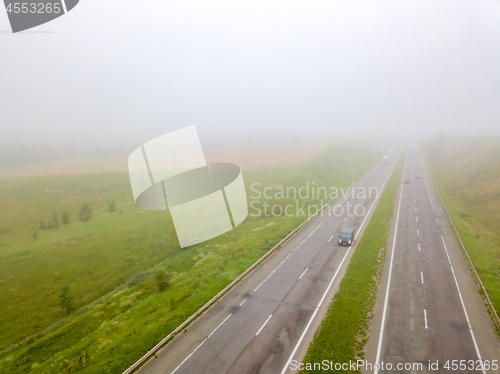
(109, 76)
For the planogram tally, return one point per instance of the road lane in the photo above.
(427, 293)
(265, 316)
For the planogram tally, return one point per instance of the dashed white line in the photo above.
(331, 237)
(203, 342)
(345, 219)
(243, 302)
(422, 277)
(261, 283)
(303, 273)
(315, 229)
(425, 318)
(419, 247)
(415, 207)
(267, 320)
(416, 219)
(418, 232)
(437, 222)
(220, 325)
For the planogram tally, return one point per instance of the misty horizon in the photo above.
(102, 83)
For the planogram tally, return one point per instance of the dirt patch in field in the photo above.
(246, 156)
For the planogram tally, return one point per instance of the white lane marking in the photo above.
(203, 342)
(418, 232)
(219, 325)
(243, 302)
(416, 219)
(315, 229)
(437, 222)
(425, 318)
(331, 282)
(303, 273)
(267, 320)
(192, 353)
(456, 283)
(331, 237)
(384, 313)
(419, 247)
(261, 283)
(345, 219)
(415, 201)
(422, 277)
(463, 305)
(415, 208)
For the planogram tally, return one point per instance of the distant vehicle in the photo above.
(391, 153)
(419, 176)
(346, 236)
(407, 181)
(385, 160)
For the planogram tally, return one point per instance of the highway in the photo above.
(428, 309)
(271, 316)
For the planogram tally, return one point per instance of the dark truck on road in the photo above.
(346, 236)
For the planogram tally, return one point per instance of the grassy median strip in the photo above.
(343, 332)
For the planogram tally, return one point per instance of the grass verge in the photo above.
(343, 332)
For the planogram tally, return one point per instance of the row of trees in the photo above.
(85, 215)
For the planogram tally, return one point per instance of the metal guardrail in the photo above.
(491, 307)
(182, 326)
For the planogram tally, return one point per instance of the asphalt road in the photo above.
(270, 317)
(428, 303)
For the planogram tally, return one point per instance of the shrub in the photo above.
(65, 218)
(85, 213)
(162, 279)
(66, 300)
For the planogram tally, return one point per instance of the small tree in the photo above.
(66, 300)
(111, 206)
(162, 279)
(64, 218)
(85, 213)
(55, 221)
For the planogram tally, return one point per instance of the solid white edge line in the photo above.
(384, 313)
(333, 279)
(220, 325)
(265, 323)
(315, 229)
(303, 273)
(463, 306)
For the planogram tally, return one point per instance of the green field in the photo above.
(344, 330)
(466, 172)
(110, 266)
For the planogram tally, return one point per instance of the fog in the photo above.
(109, 76)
